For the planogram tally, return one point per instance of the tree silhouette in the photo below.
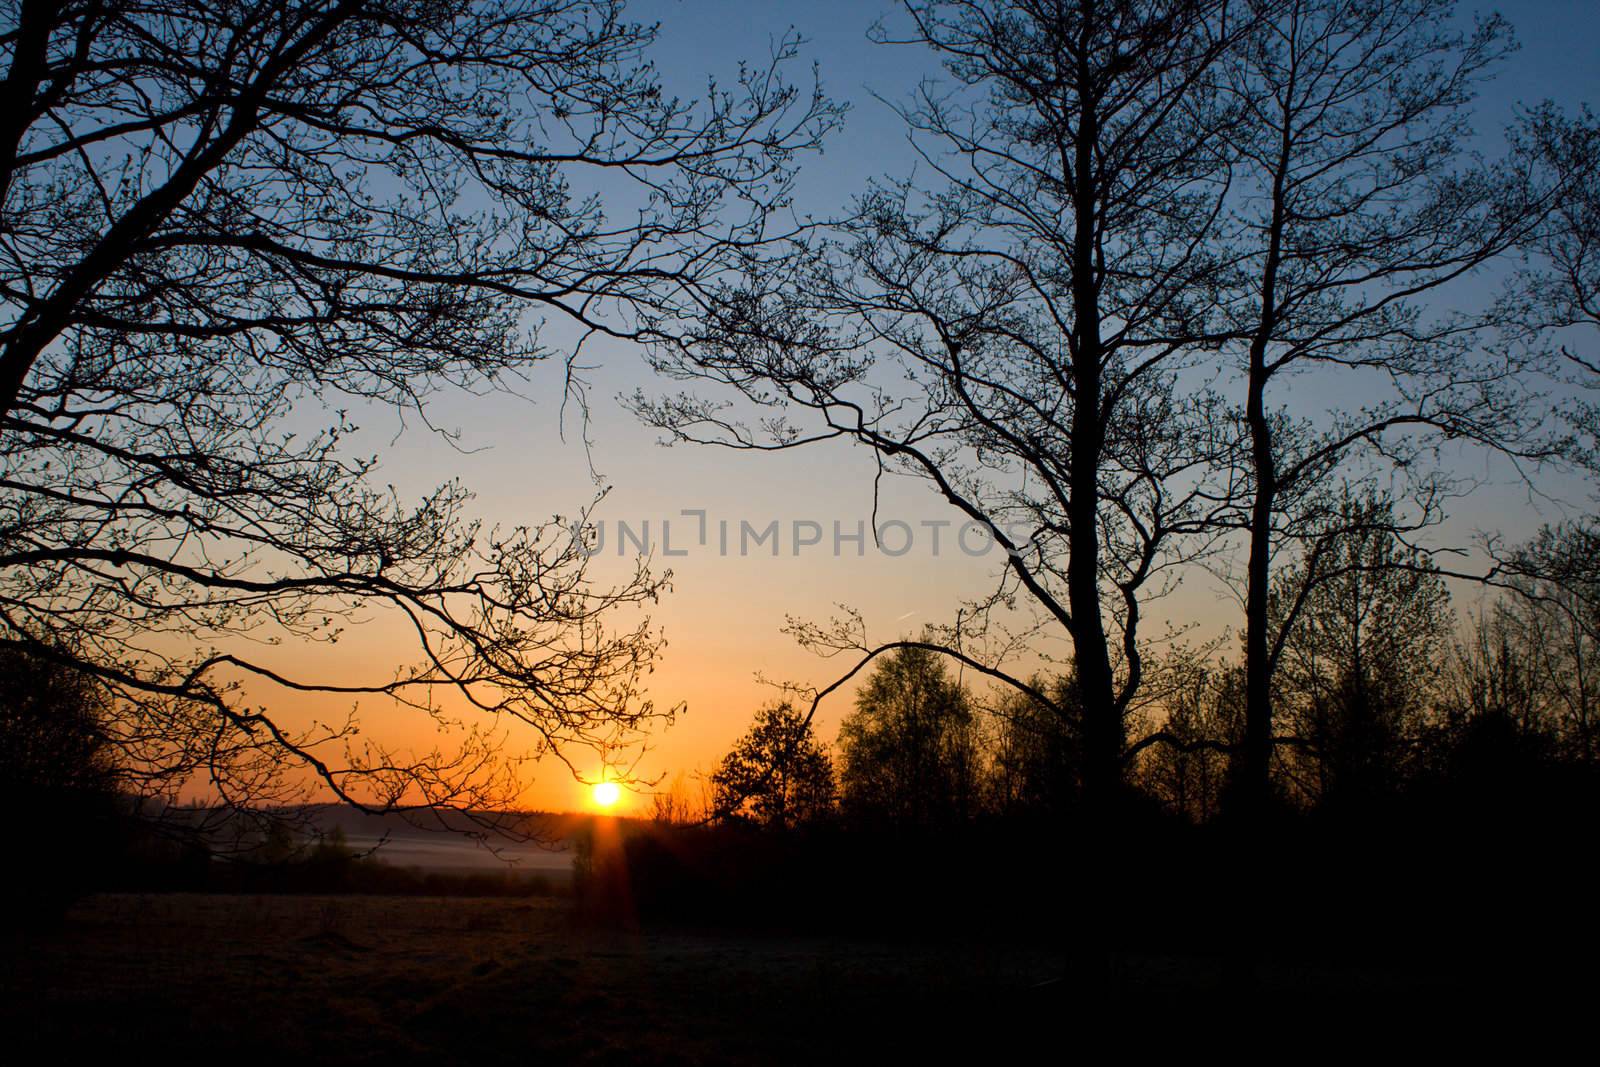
(1202, 719)
(1017, 330)
(1035, 756)
(53, 741)
(777, 774)
(1555, 616)
(1366, 622)
(909, 752)
(1493, 747)
(227, 226)
(59, 766)
(1359, 202)
(1550, 618)
(1560, 291)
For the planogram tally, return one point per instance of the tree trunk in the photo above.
(1102, 718)
(1252, 771)
(1252, 777)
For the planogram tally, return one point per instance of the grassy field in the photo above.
(376, 979)
(367, 979)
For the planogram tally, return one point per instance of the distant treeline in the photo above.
(1433, 777)
(1386, 698)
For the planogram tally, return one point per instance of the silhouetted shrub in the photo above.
(58, 784)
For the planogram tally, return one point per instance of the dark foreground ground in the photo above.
(237, 979)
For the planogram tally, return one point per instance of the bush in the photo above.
(58, 784)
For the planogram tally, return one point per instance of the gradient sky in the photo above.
(724, 617)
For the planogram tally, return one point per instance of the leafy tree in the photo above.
(228, 225)
(777, 774)
(909, 752)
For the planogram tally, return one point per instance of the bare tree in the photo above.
(685, 799)
(1551, 618)
(1512, 735)
(1560, 290)
(1201, 715)
(224, 225)
(1502, 669)
(1367, 623)
(1360, 202)
(1019, 330)
(1035, 763)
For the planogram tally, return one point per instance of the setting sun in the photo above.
(606, 794)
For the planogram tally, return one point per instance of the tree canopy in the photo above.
(777, 775)
(908, 753)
